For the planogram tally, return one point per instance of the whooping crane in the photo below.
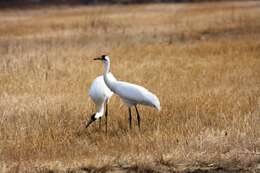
(131, 94)
(100, 94)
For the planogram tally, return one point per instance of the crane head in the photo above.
(92, 119)
(104, 58)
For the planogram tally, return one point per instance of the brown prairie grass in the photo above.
(201, 60)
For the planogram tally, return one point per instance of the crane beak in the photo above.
(98, 58)
(89, 122)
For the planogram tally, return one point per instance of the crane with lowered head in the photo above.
(100, 95)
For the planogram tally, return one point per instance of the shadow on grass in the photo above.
(142, 169)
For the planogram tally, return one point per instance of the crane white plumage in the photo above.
(131, 94)
(100, 95)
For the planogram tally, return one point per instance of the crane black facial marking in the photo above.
(93, 117)
(103, 57)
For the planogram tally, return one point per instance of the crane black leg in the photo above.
(106, 113)
(130, 118)
(100, 123)
(138, 118)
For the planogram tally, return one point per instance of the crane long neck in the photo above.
(107, 79)
(100, 111)
(106, 67)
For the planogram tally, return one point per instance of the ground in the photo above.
(202, 60)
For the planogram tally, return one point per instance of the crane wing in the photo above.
(136, 94)
(99, 91)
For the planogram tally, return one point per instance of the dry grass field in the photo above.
(201, 60)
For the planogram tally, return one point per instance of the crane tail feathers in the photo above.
(158, 106)
(156, 102)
